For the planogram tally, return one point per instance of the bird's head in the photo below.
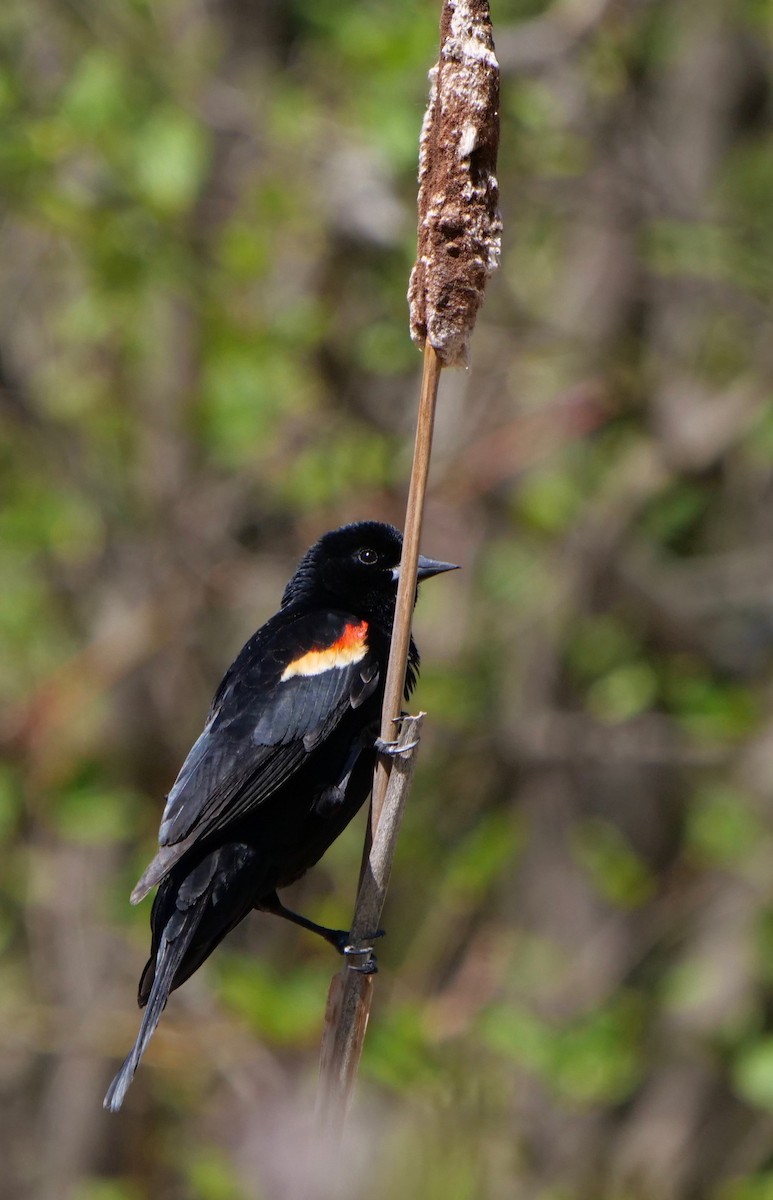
(358, 566)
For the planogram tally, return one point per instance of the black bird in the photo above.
(285, 761)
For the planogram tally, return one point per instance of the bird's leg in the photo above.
(338, 938)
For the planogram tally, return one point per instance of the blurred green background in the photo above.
(207, 228)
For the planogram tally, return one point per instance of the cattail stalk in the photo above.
(458, 248)
(351, 992)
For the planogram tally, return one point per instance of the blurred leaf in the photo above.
(451, 706)
(599, 1058)
(756, 1187)
(282, 1008)
(8, 927)
(94, 814)
(721, 827)
(598, 644)
(11, 800)
(513, 572)
(706, 707)
(673, 514)
(590, 1059)
(211, 1176)
(244, 251)
(764, 945)
(385, 349)
(549, 499)
(170, 157)
(244, 393)
(753, 1073)
(618, 873)
(346, 458)
(398, 1053)
(108, 1189)
(99, 94)
(624, 693)
(520, 1035)
(478, 862)
(695, 991)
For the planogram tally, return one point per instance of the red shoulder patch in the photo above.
(350, 647)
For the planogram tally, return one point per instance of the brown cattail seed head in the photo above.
(459, 223)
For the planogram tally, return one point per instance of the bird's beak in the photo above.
(431, 566)
(427, 567)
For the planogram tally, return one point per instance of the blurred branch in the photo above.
(542, 43)
(574, 738)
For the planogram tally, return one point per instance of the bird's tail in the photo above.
(190, 917)
(175, 940)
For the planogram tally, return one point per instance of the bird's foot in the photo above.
(393, 749)
(370, 965)
(341, 939)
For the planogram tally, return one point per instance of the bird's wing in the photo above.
(289, 688)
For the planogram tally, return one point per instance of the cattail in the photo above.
(459, 235)
(459, 223)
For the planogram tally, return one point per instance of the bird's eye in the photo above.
(368, 557)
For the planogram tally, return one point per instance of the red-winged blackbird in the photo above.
(285, 761)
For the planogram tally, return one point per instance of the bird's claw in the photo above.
(343, 944)
(370, 966)
(393, 749)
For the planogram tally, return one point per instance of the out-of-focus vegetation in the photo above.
(207, 228)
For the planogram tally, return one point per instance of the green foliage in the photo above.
(10, 801)
(600, 644)
(93, 813)
(170, 160)
(400, 1055)
(207, 228)
(756, 1187)
(753, 1073)
(211, 1176)
(624, 692)
(108, 1189)
(707, 707)
(592, 1059)
(722, 826)
(550, 499)
(338, 459)
(285, 1011)
(616, 870)
(675, 513)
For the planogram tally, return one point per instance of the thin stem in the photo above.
(351, 994)
(406, 587)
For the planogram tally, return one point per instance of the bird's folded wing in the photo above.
(263, 725)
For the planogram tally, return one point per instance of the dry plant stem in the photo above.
(406, 588)
(351, 992)
(458, 248)
(350, 995)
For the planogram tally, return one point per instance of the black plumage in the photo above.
(284, 762)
